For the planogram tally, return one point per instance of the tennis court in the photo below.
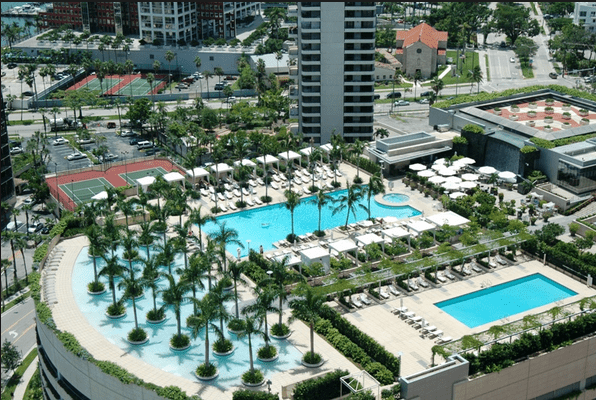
(82, 191)
(93, 84)
(132, 177)
(139, 87)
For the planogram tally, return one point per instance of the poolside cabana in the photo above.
(173, 177)
(343, 246)
(396, 233)
(327, 147)
(448, 218)
(316, 254)
(421, 226)
(370, 238)
(293, 259)
(221, 168)
(144, 183)
(267, 160)
(247, 163)
(288, 156)
(197, 173)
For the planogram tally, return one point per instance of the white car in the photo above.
(424, 101)
(402, 103)
(29, 200)
(16, 150)
(59, 141)
(108, 157)
(127, 133)
(35, 227)
(512, 59)
(231, 99)
(76, 156)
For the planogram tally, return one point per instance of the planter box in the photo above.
(549, 111)
(532, 114)
(207, 378)
(566, 108)
(548, 120)
(584, 122)
(497, 112)
(513, 117)
(515, 109)
(584, 114)
(532, 106)
(566, 116)
(531, 123)
(567, 126)
(548, 129)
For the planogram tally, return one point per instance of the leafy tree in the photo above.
(11, 356)
(209, 118)
(139, 112)
(475, 75)
(514, 21)
(549, 233)
(133, 289)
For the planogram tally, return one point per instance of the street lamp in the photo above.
(248, 245)
(269, 385)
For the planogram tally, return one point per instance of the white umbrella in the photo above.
(468, 185)
(506, 175)
(427, 173)
(470, 177)
(456, 195)
(467, 160)
(487, 170)
(453, 179)
(450, 186)
(437, 179)
(447, 172)
(417, 167)
(440, 161)
(438, 167)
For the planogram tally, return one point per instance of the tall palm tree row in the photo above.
(306, 307)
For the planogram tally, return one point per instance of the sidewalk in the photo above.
(19, 391)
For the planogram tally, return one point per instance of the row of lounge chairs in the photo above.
(413, 284)
(418, 322)
(360, 300)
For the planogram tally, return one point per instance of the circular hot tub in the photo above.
(396, 198)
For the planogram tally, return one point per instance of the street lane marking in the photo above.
(12, 326)
(23, 334)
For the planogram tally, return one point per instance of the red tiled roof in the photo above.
(441, 52)
(399, 51)
(423, 33)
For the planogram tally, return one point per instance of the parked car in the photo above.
(394, 95)
(153, 150)
(134, 141)
(219, 86)
(28, 93)
(424, 101)
(512, 59)
(76, 156)
(553, 75)
(503, 45)
(16, 150)
(11, 65)
(108, 157)
(377, 96)
(127, 133)
(402, 103)
(29, 200)
(231, 99)
(424, 94)
(230, 78)
(35, 227)
(182, 86)
(198, 75)
(111, 125)
(46, 229)
(188, 79)
(59, 141)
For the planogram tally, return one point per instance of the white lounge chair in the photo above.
(274, 185)
(492, 264)
(500, 260)
(436, 333)
(306, 191)
(232, 206)
(466, 271)
(445, 339)
(414, 320)
(357, 303)
(399, 310)
(364, 298)
(258, 200)
(220, 196)
(236, 193)
(204, 193)
(428, 329)
(422, 282)
(475, 267)
(249, 202)
(393, 290)
(222, 207)
(229, 195)
(412, 285)
(441, 278)
(260, 182)
(228, 187)
(245, 192)
(252, 183)
(449, 275)
(383, 294)
(297, 180)
(213, 198)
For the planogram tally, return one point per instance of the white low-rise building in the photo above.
(585, 14)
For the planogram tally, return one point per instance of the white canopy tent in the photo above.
(438, 167)
(468, 185)
(390, 219)
(173, 177)
(247, 163)
(396, 233)
(467, 160)
(417, 167)
(440, 161)
(447, 218)
(343, 246)
(221, 168)
(508, 176)
(447, 172)
(292, 259)
(288, 156)
(453, 179)
(144, 183)
(316, 254)
(268, 159)
(450, 186)
(421, 226)
(427, 173)
(327, 147)
(369, 238)
(197, 173)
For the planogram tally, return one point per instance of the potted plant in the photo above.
(513, 117)
(532, 114)
(566, 106)
(566, 125)
(531, 123)
(548, 119)
(532, 105)
(548, 128)
(267, 353)
(549, 102)
(584, 121)
(236, 326)
(497, 111)
(549, 110)
(116, 310)
(137, 336)
(514, 108)
(179, 342)
(206, 372)
(573, 228)
(583, 112)
(566, 115)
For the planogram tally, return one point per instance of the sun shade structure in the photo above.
(468, 185)
(173, 177)
(417, 167)
(287, 156)
(307, 151)
(438, 167)
(466, 160)
(369, 238)
(292, 259)
(487, 170)
(247, 163)
(144, 183)
(316, 254)
(447, 218)
(456, 195)
(437, 179)
(427, 173)
(507, 176)
(447, 172)
(470, 177)
(450, 186)
(268, 159)
(396, 233)
(343, 246)
(453, 179)
(420, 226)
(327, 147)
(390, 219)
(221, 168)
(197, 173)
(440, 161)
(100, 196)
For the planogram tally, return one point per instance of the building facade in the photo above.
(335, 70)
(168, 23)
(7, 189)
(585, 14)
(220, 19)
(421, 49)
(104, 16)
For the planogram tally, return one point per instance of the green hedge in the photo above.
(502, 355)
(545, 144)
(40, 253)
(460, 140)
(510, 92)
(528, 149)
(365, 164)
(368, 344)
(324, 388)
(471, 128)
(250, 395)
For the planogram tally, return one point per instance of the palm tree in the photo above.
(150, 79)
(262, 305)
(207, 75)
(200, 220)
(10, 235)
(223, 237)
(307, 309)
(235, 271)
(206, 311)
(198, 268)
(166, 255)
(181, 240)
(133, 289)
(130, 245)
(437, 85)
(292, 201)
(150, 276)
(112, 269)
(97, 247)
(220, 297)
(129, 67)
(356, 149)
(280, 275)
(146, 237)
(127, 208)
(476, 75)
(348, 201)
(27, 208)
(169, 56)
(21, 244)
(375, 187)
(174, 296)
(252, 327)
(417, 78)
(111, 232)
(197, 62)
(321, 200)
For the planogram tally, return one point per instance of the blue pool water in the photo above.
(265, 225)
(396, 198)
(157, 352)
(501, 301)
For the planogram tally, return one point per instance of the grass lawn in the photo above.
(471, 60)
(402, 85)
(527, 71)
(16, 377)
(487, 77)
(25, 122)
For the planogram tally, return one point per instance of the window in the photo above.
(418, 51)
(151, 56)
(211, 58)
(582, 13)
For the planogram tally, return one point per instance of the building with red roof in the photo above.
(422, 48)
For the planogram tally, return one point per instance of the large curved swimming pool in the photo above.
(264, 226)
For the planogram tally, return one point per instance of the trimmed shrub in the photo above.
(324, 388)
(244, 394)
(471, 128)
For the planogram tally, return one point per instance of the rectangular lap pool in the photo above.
(501, 301)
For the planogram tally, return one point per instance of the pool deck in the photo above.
(398, 336)
(69, 318)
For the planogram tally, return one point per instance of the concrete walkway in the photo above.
(19, 392)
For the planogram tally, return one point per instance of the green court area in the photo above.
(82, 191)
(131, 177)
(138, 86)
(107, 84)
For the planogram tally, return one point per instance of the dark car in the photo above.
(46, 229)
(28, 93)
(134, 141)
(394, 95)
(11, 65)
(424, 94)
(503, 45)
(377, 96)
(553, 75)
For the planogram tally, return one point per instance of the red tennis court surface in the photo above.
(112, 175)
(92, 82)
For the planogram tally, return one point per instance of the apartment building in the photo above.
(168, 22)
(7, 189)
(335, 70)
(220, 19)
(585, 14)
(103, 16)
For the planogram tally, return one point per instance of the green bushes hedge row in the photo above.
(565, 254)
(351, 350)
(40, 252)
(502, 355)
(368, 344)
(324, 388)
(250, 395)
